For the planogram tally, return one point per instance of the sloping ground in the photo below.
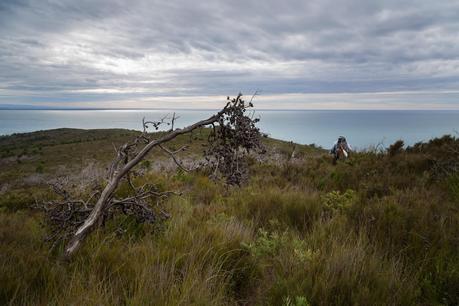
(378, 229)
(26, 157)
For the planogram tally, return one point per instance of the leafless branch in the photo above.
(233, 133)
(174, 158)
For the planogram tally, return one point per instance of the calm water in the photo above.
(362, 128)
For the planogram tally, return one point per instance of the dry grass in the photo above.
(380, 229)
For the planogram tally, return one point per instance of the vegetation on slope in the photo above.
(379, 229)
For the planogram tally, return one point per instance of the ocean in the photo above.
(362, 128)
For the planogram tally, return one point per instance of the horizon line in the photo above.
(217, 109)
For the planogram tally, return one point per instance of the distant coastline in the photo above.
(364, 128)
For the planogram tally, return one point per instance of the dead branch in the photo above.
(233, 135)
(174, 158)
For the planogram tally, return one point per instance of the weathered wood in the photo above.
(94, 218)
(232, 137)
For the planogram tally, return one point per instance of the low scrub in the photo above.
(378, 229)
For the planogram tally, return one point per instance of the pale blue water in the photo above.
(362, 128)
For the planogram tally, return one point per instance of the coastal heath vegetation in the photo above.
(381, 228)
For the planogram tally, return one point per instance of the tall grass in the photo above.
(379, 229)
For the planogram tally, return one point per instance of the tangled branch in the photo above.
(233, 136)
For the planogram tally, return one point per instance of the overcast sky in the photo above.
(298, 54)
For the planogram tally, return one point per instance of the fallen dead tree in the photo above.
(233, 135)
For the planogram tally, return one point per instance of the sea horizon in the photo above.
(217, 109)
(364, 128)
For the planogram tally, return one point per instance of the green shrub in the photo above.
(337, 201)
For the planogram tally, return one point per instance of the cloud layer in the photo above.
(300, 54)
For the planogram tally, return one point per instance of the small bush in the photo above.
(337, 201)
(396, 148)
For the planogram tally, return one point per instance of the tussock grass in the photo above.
(379, 229)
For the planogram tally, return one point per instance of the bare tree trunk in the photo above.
(95, 217)
(233, 135)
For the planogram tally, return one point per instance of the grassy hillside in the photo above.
(379, 229)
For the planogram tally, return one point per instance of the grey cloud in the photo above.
(63, 49)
